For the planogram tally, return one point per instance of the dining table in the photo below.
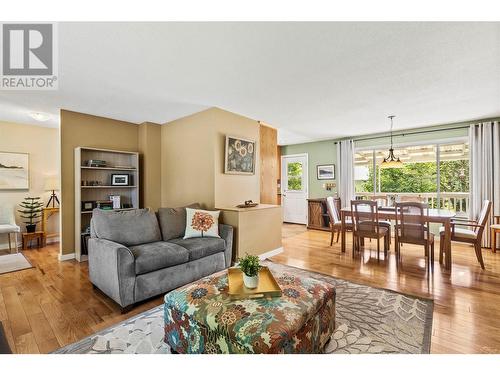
(432, 215)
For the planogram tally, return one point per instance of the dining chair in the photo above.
(472, 236)
(382, 201)
(495, 229)
(366, 224)
(8, 225)
(335, 221)
(412, 227)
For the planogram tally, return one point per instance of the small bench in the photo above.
(38, 236)
(201, 318)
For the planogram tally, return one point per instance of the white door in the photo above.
(294, 183)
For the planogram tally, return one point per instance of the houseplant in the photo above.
(31, 212)
(250, 267)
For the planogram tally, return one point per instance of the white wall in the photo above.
(42, 144)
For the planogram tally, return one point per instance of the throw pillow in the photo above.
(201, 223)
(173, 221)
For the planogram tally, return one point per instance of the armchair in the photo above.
(8, 225)
(461, 231)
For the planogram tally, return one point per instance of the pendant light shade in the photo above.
(391, 161)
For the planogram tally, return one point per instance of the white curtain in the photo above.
(345, 165)
(484, 140)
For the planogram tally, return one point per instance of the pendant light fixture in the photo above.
(391, 161)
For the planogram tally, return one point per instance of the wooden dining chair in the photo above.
(412, 227)
(468, 231)
(366, 224)
(335, 221)
(382, 201)
(495, 229)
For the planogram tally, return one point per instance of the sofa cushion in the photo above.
(460, 232)
(129, 228)
(201, 247)
(157, 255)
(173, 221)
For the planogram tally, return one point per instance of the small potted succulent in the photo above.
(250, 267)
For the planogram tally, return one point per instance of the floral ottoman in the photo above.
(201, 318)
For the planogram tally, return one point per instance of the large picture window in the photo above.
(437, 174)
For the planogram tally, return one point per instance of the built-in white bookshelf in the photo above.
(94, 184)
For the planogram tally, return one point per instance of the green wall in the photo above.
(322, 152)
(325, 152)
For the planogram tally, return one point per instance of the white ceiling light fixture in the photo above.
(40, 116)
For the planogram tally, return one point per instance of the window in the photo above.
(294, 173)
(437, 174)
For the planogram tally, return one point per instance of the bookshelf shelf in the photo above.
(109, 187)
(110, 168)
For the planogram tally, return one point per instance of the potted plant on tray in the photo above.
(250, 266)
(31, 212)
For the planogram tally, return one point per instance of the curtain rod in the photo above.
(410, 133)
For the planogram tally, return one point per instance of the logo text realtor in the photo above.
(29, 59)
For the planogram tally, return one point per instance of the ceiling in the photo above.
(310, 80)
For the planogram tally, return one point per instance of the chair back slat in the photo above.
(483, 217)
(412, 221)
(365, 216)
(332, 210)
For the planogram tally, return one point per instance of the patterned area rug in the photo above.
(369, 320)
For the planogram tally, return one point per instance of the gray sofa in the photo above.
(137, 254)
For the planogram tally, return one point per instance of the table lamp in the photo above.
(52, 184)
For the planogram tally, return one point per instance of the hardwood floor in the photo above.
(466, 303)
(54, 304)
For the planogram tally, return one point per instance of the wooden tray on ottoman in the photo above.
(268, 287)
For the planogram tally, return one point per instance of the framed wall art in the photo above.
(14, 171)
(239, 156)
(326, 172)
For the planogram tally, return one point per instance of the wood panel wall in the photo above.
(269, 172)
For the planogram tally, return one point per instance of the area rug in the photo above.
(13, 262)
(369, 320)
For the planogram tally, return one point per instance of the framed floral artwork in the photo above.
(239, 156)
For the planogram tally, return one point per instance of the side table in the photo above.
(39, 236)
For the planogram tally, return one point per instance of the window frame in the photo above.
(436, 144)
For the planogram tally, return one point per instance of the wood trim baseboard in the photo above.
(63, 257)
(5, 246)
(271, 253)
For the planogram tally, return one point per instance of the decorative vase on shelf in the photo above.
(251, 282)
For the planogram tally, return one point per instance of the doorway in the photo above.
(294, 188)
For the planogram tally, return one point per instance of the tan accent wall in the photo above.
(79, 129)
(256, 230)
(193, 160)
(149, 147)
(187, 159)
(268, 164)
(41, 145)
